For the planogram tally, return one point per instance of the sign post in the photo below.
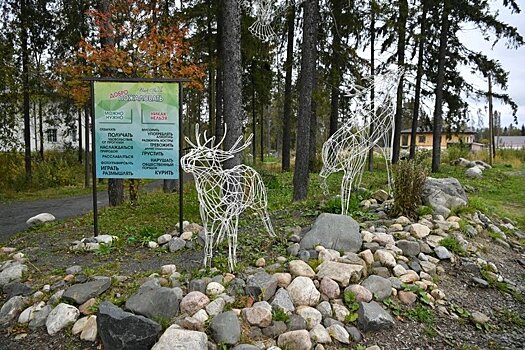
(136, 131)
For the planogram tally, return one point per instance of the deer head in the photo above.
(207, 155)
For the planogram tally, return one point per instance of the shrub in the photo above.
(409, 178)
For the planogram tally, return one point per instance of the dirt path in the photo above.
(13, 216)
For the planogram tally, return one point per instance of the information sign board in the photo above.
(136, 129)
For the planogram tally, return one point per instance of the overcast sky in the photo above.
(512, 60)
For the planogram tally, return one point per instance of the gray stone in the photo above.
(340, 272)
(61, 316)
(73, 270)
(446, 193)
(325, 309)
(302, 291)
(380, 287)
(339, 333)
(121, 330)
(304, 255)
(246, 347)
(275, 329)
(296, 322)
(176, 338)
(11, 309)
(198, 285)
(80, 293)
(16, 288)
(176, 244)
(40, 317)
(354, 333)
(282, 301)
(154, 303)
(409, 248)
(442, 253)
(474, 173)
(373, 317)
(293, 249)
(320, 335)
(12, 273)
(226, 328)
(215, 307)
(261, 286)
(40, 219)
(193, 302)
(295, 340)
(481, 282)
(338, 232)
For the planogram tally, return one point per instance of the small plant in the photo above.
(104, 249)
(350, 301)
(409, 178)
(279, 315)
(394, 307)
(458, 310)
(314, 263)
(424, 210)
(452, 244)
(421, 314)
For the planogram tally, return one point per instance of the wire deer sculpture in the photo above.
(224, 193)
(346, 150)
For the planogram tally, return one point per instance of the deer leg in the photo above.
(232, 241)
(263, 213)
(346, 191)
(208, 238)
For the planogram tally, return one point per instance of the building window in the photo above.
(51, 135)
(74, 137)
(422, 139)
(404, 140)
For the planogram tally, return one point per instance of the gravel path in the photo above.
(13, 216)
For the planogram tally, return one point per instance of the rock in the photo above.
(16, 288)
(81, 292)
(168, 269)
(213, 289)
(39, 317)
(446, 193)
(226, 328)
(340, 312)
(407, 298)
(338, 232)
(383, 239)
(300, 268)
(380, 287)
(479, 317)
(474, 173)
(154, 303)
(409, 248)
(320, 335)
(325, 309)
(428, 267)
(60, 317)
(399, 270)
(385, 258)
(380, 196)
(73, 270)
(29, 313)
(372, 317)
(282, 301)
(176, 244)
(293, 249)
(121, 330)
(193, 302)
(419, 231)
(330, 288)
(198, 285)
(367, 256)
(275, 329)
(296, 322)
(302, 291)
(339, 333)
(402, 220)
(258, 315)
(11, 309)
(12, 273)
(79, 325)
(360, 292)
(40, 219)
(176, 338)
(340, 272)
(312, 316)
(480, 282)
(215, 306)
(283, 279)
(295, 340)
(410, 277)
(261, 285)
(304, 255)
(90, 331)
(442, 253)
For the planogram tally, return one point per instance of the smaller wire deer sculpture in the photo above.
(346, 150)
(224, 193)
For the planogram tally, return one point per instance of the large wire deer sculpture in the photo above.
(367, 126)
(224, 193)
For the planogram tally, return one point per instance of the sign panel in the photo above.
(136, 130)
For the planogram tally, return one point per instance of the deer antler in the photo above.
(189, 142)
(206, 140)
(223, 137)
(236, 149)
(197, 135)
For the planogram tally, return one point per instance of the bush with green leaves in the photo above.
(409, 179)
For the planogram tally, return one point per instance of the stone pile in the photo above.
(290, 304)
(475, 168)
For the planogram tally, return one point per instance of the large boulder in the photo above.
(81, 292)
(123, 330)
(40, 219)
(165, 303)
(175, 338)
(373, 317)
(338, 232)
(443, 194)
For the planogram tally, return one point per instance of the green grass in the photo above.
(452, 244)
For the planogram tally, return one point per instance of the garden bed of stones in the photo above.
(343, 284)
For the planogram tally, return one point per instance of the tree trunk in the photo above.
(25, 77)
(300, 179)
(313, 125)
(232, 92)
(372, 75)
(403, 14)
(438, 109)
(492, 148)
(219, 130)
(41, 128)
(419, 76)
(79, 133)
(254, 116)
(287, 108)
(261, 133)
(335, 71)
